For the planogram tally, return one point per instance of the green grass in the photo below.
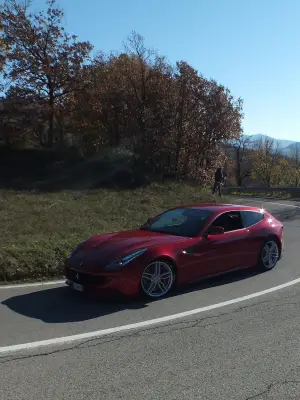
(38, 230)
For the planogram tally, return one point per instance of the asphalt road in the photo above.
(248, 350)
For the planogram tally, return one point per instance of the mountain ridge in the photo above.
(285, 146)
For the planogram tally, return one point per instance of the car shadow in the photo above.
(62, 305)
(220, 280)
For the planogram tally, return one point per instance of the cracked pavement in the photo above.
(250, 350)
(246, 352)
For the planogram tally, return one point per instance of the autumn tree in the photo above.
(206, 115)
(147, 80)
(3, 48)
(129, 101)
(266, 159)
(295, 163)
(173, 119)
(189, 110)
(2, 54)
(42, 58)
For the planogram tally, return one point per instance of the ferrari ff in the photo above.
(177, 247)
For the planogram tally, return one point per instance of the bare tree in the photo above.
(241, 149)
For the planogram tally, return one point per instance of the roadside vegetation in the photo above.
(38, 230)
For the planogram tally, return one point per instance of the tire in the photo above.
(269, 255)
(157, 279)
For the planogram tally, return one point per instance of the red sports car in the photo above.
(179, 246)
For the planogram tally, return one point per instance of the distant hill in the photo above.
(291, 148)
(286, 146)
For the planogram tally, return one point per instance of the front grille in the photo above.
(84, 278)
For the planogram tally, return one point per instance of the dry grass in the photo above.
(39, 229)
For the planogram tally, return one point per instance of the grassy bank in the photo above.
(39, 229)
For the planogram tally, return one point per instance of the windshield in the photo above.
(186, 222)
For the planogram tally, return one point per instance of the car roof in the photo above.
(222, 207)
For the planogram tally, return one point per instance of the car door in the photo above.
(231, 251)
(198, 260)
(252, 221)
(215, 254)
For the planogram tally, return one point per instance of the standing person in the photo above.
(219, 180)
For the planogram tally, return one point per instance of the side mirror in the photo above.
(215, 230)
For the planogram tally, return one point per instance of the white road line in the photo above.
(143, 324)
(26, 285)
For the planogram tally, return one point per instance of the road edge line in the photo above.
(138, 325)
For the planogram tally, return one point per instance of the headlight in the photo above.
(117, 264)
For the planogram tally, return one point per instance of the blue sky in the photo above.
(250, 46)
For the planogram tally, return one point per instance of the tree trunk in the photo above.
(50, 113)
(50, 124)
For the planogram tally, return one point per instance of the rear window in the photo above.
(251, 218)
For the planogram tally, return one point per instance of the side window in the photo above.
(251, 218)
(230, 221)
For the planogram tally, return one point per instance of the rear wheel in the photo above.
(269, 255)
(157, 279)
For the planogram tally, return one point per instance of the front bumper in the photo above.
(102, 284)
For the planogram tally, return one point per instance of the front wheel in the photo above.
(157, 279)
(269, 255)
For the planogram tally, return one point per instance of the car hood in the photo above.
(100, 250)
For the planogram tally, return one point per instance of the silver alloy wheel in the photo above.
(270, 254)
(157, 279)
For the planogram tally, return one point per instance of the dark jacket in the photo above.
(219, 175)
